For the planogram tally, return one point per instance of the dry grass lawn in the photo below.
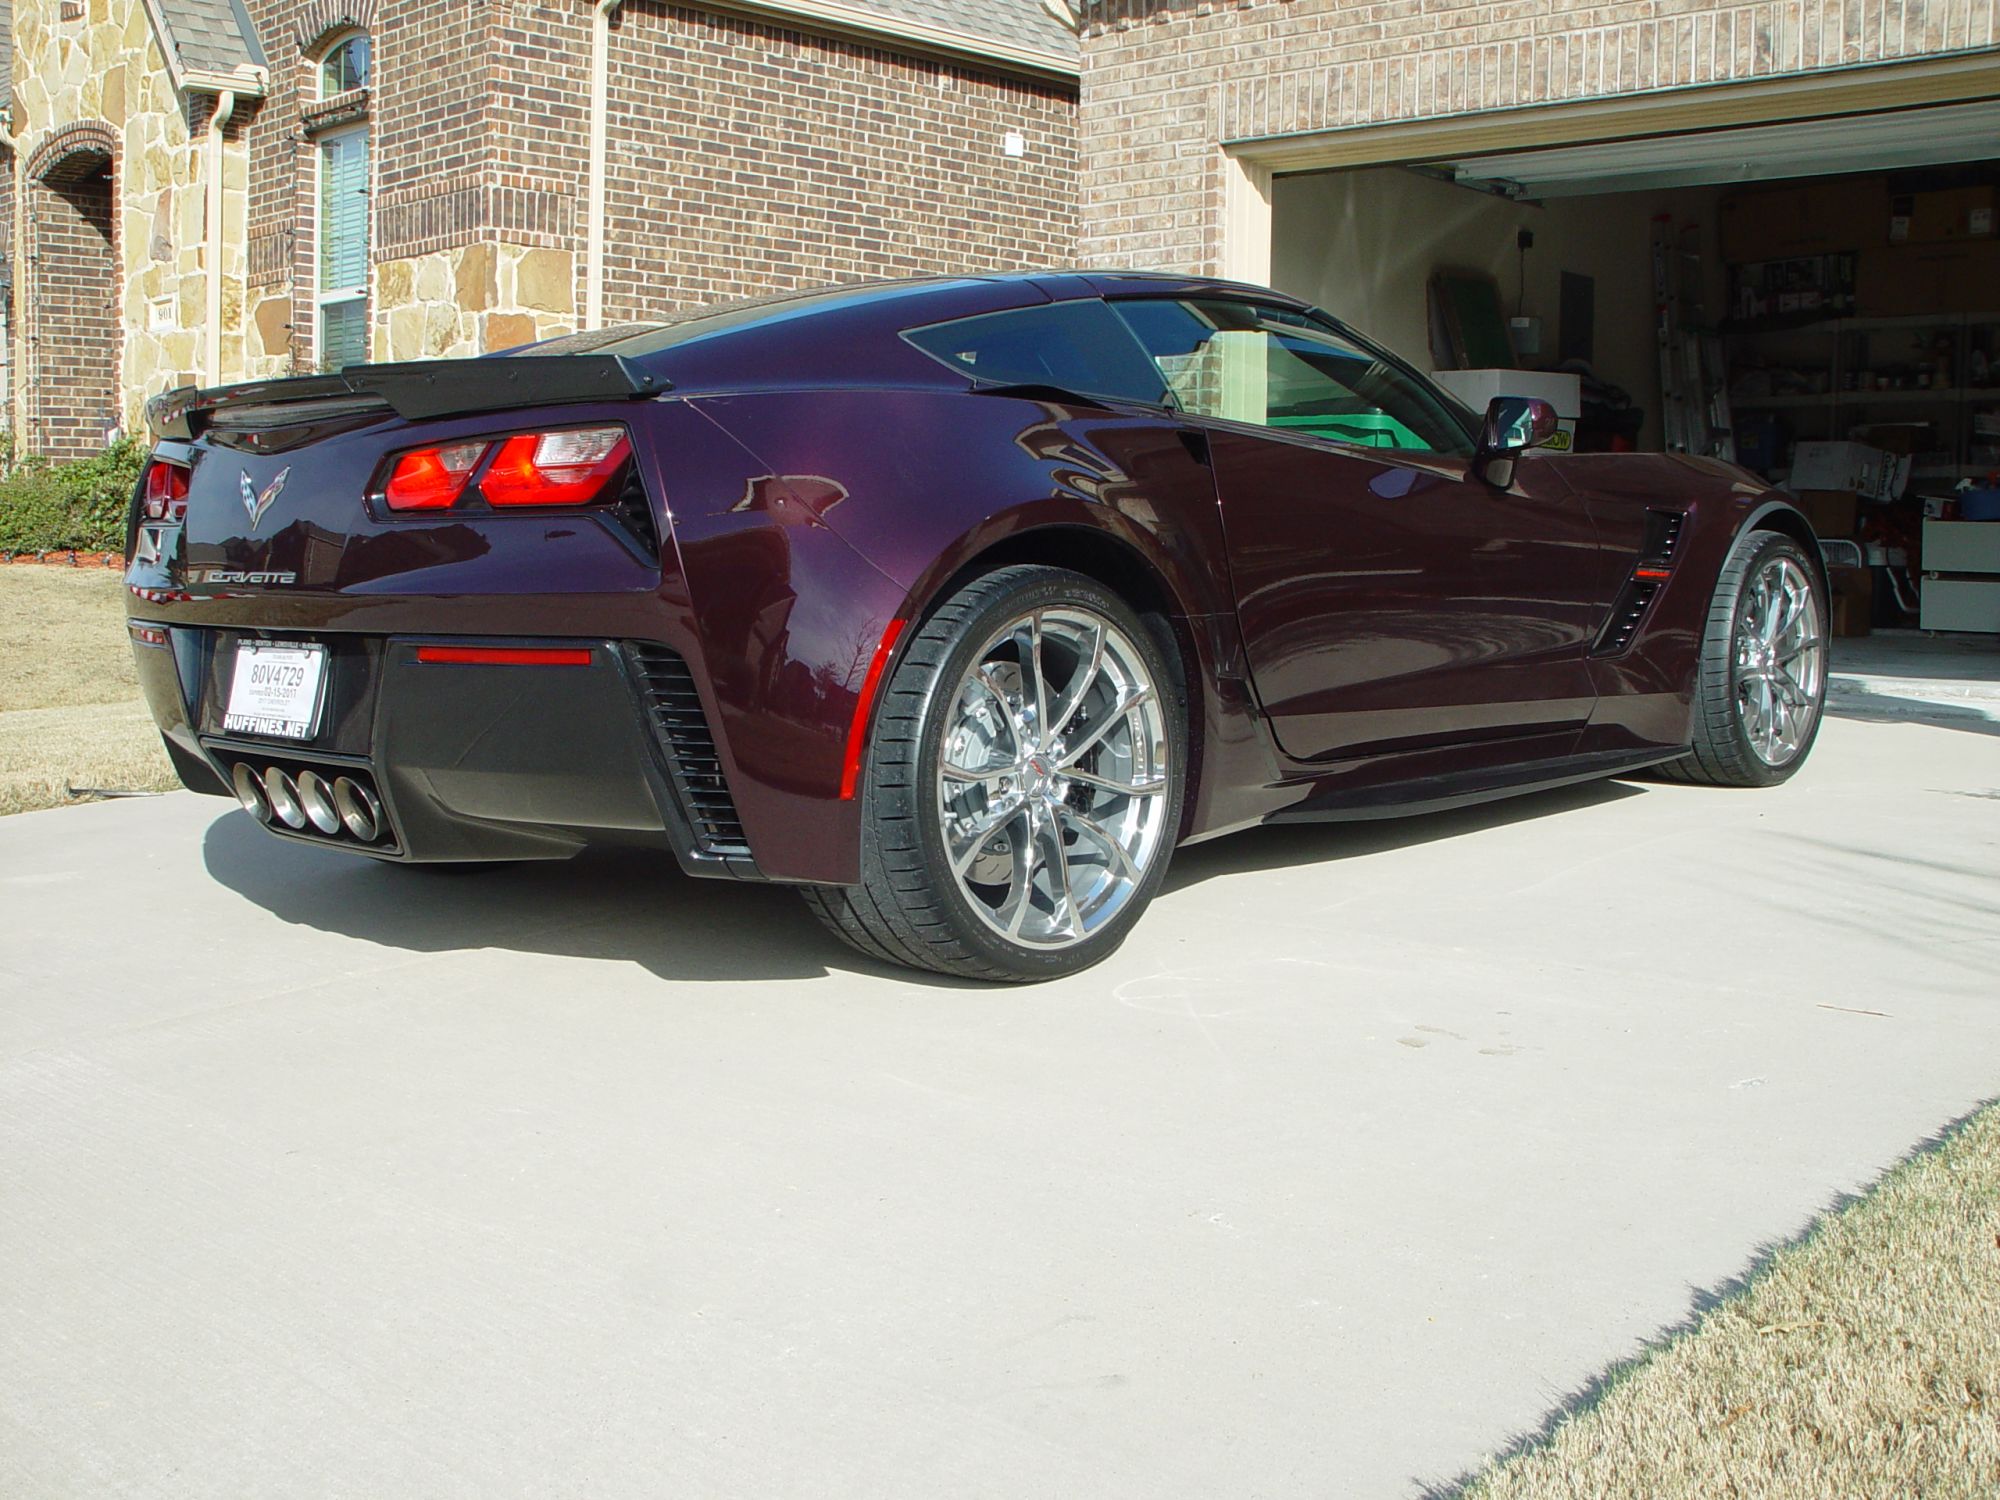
(1862, 1362)
(70, 712)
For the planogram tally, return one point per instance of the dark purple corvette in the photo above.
(958, 603)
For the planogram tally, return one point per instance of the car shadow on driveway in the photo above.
(637, 907)
(1281, 845)
(629, 905)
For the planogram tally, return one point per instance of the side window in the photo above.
(1283, 370)
(1077, 346)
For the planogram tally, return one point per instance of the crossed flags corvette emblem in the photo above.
(257, 501)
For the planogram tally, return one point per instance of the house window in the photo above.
(345, 66)
(343, 248)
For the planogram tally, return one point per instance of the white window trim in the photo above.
(324, 295)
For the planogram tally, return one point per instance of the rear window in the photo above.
(1076, 346)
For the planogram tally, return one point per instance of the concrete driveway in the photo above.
(1375, 1142)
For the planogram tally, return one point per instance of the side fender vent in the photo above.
(1630, 609)
(689, 748)
(1663, 535)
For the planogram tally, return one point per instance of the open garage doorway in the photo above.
(1841, 277)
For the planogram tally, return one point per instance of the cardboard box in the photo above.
(1933, 218)
(1899, 281)
(1854, 467)
(1810, 218)
(1833, 513)
(1852, 605)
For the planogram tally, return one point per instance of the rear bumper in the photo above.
(477, 761)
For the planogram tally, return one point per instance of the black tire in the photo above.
(1721, 753)
(909, 908)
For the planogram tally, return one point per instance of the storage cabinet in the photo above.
(1961, 587)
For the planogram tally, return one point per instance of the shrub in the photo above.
(81, 504)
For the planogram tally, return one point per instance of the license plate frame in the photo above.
(277, 690)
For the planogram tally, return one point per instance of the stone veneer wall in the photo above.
(1166, 82)
(472, 300)
(105, 68)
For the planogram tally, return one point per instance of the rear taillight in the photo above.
(166, 497)
(574, 466)
(555, 468)
(432, 478)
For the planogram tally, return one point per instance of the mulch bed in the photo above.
(64, 559)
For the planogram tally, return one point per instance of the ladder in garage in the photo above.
(1694, 380)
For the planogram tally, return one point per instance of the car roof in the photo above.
(1060, 285)
(846, 334)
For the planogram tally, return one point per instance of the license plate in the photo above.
(275, 690)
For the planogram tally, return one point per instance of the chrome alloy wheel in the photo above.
(1780, 669)
(1052, 787)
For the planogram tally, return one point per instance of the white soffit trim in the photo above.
(874, 25)
(1758, 153)
(1795, 97)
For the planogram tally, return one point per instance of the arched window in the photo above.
(345, 65)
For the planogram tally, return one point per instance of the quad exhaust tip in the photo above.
(250, 792)
(273, 796)
(316, 797)
(358, 809)
(284, 795)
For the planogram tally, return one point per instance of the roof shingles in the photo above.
(1016, 23)
(212, 36)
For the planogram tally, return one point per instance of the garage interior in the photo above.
(1835, 322)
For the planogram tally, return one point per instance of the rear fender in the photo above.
(932, 488)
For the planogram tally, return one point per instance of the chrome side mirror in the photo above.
(1514, 424)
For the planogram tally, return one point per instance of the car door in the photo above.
(1389, 601)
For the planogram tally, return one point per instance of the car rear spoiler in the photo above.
(413, 390)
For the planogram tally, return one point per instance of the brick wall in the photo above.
(72, 333)
(1167, 81)
(280, 194)
(748, 158)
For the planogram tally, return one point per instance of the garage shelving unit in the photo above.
(1857, 348)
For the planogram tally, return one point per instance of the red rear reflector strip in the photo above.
(1651, 573)
(146, 635)
(857, 732)
(506, 656)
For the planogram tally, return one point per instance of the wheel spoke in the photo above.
(1122, 788)
(1034, 686)
(1079, 684)
(982, 677)
(984, 829)
(1024, 882)
(1793, 653)
(1789, 689)
(1084, 823)
(966, 774)
(1047, 834)
(1137, 698)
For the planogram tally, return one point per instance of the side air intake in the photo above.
(689, 748)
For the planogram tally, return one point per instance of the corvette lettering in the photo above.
(236, 575)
